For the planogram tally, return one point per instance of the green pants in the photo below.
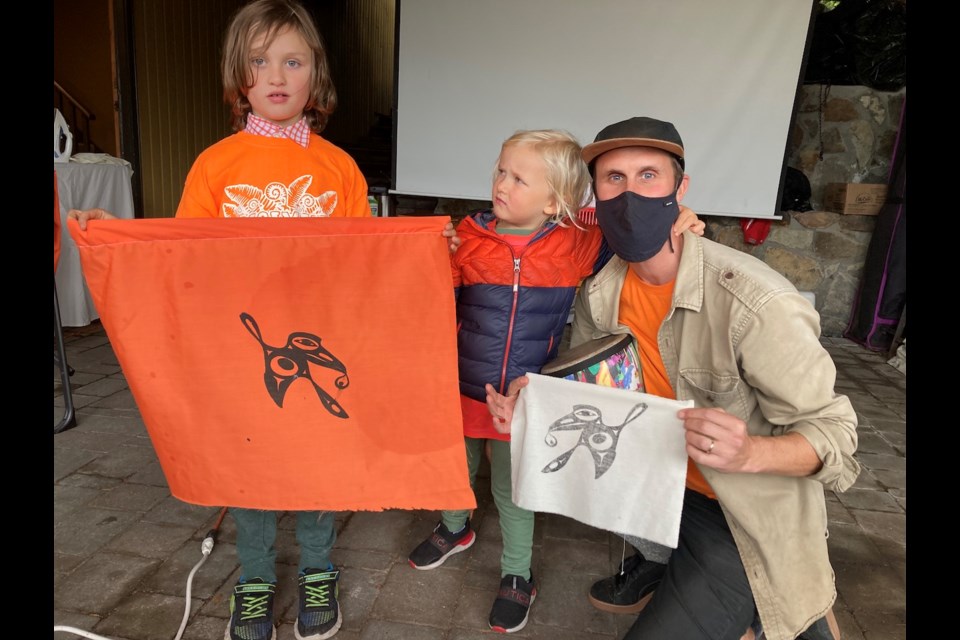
(516, 524)
(257, 532)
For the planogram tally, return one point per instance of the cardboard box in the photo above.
(855, 198)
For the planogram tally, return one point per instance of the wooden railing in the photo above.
(78, 119)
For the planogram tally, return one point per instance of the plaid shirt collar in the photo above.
(299, 132)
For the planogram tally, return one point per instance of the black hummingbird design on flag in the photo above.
(283, 365)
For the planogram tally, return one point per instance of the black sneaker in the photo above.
(251, 611)
(512, 606)
(441, 544)
(630, 589)
(319, 613)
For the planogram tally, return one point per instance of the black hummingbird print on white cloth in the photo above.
(600, 439)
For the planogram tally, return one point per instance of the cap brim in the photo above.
(594, 149)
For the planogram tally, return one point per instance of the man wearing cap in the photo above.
(767, 433)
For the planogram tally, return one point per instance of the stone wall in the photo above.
(818, 251)
(844, 134)
(840, 134)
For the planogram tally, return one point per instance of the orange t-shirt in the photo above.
(643, 307)
(246, 175)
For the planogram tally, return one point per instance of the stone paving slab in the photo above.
(562, 602)
(101, 583)
(387, 630)
(150, 474)
(123, 462)
(67, 498)
(130, 497)
(848, 544)
(170, 576)
(891, 479)
(145, 616)
(71, 619)
(85, 531)
(359, 591)
(406, 590)
(869, 441)
(891, 526)
(105, 421)
(870, 500)
(98, 442)
(836, 512)
(79, 401)
(105, 386)
(89, 481)
(574, 556)
(152, 540)
(868, 480)
(173, 511)
(64, 564)
(218, 606)
(203, 627)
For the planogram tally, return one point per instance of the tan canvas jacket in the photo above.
(740, 337)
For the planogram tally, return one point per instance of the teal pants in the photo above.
(257, 533)
(516, 524)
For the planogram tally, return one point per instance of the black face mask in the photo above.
(635, 226)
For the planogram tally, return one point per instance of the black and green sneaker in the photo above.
(251, 611)
(319, 613)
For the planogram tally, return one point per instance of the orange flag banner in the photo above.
(288, 364)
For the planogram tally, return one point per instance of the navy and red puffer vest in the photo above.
(513, 303)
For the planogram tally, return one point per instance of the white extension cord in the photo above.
(206, 547)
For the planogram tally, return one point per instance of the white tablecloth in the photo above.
(85, 186)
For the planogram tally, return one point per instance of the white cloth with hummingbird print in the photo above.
(610, 458)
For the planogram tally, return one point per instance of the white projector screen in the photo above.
(472, 72)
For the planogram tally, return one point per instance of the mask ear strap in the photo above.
(670, 236)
